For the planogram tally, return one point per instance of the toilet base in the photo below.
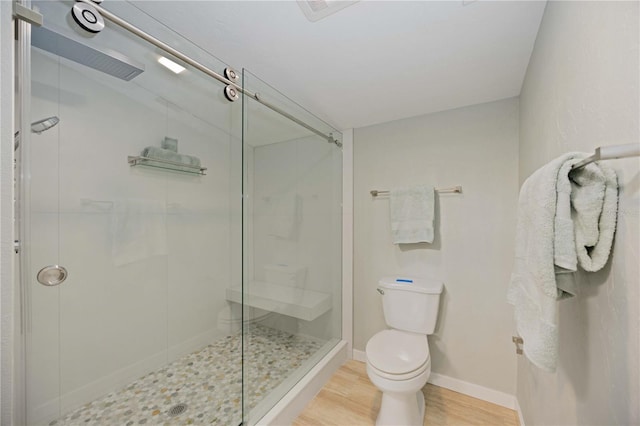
(401, 409)
(402, 400)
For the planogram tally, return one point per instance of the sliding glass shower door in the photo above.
(126, 261)
(180, 253)
(292, 270)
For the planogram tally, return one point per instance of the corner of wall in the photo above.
(519, 411)
(347, 239)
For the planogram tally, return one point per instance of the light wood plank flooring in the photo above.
(350, 399)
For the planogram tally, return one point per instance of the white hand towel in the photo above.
(553, 207)
(412, 212)
(138, 230)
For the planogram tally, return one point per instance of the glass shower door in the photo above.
(136, 333)
(292, 227)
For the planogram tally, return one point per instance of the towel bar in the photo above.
(610, 153)
(518, 341)
(453, 189)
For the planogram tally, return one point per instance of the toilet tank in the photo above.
(285, 275)
(410, 303)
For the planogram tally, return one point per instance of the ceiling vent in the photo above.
(315, 10)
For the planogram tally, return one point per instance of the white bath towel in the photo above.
(556, 221)
(138, 230)
(412, 212)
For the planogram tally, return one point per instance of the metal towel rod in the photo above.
(453, 189)
(610, 153)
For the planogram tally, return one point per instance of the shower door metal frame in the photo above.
(21, 206)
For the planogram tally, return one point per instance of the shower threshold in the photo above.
(204, 387)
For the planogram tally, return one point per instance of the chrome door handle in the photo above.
(52, 275)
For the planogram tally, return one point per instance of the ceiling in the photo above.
(374, 61)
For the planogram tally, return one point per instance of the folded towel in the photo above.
(138, 230)
(412, 211)
(557, 212)
(170, 144)
(155, 152)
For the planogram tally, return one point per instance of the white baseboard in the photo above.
(476, 391)
(359, 355)
(457, 385)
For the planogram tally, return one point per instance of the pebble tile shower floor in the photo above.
(203, 387)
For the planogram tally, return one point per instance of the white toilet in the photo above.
(398, 360)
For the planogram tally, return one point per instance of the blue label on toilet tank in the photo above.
(402, 280)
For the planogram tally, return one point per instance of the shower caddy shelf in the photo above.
(165, 164)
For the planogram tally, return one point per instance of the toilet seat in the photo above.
(398, 355)
(400, 377)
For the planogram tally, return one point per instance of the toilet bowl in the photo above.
(398, 359)
(398, 363)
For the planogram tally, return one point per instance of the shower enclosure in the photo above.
(180, 253)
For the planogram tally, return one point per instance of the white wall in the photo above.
(476, 147)
(580, 92)
(111, 323)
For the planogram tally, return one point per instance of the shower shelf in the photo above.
(165, 164)
(294, 302)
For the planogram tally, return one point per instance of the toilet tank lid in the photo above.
(422, 285)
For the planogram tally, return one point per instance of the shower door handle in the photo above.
(52, 275)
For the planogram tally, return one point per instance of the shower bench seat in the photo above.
(292, 301)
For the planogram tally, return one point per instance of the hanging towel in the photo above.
(138, 230)
(561, 213)
(284, 213)
(412, 211)
(594, 209)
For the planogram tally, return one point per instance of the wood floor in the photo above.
(350, 399)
